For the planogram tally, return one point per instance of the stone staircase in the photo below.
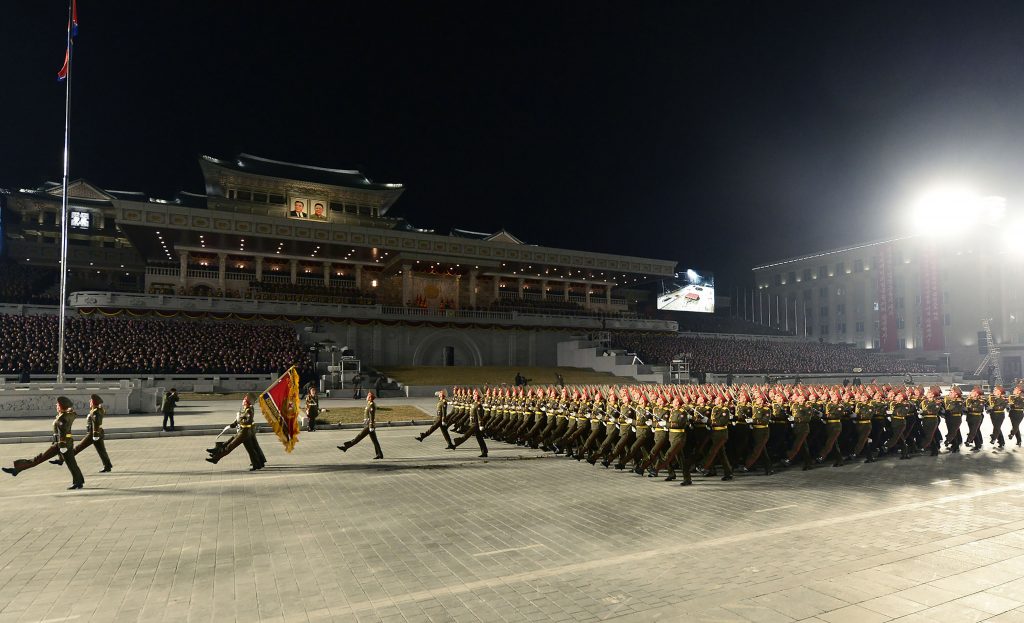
(581, 353)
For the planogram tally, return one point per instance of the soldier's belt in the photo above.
(677, 430)
(245, 426)
(719, 427)
(760, 426)
(68, 435)
(863, 421)
(595, 421)
(898, 417)
(975, 413)
(930, 416)
(833, 421)
(640, 426)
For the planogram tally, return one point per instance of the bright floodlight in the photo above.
(953, 209)
(1013, 238)
(692, 276)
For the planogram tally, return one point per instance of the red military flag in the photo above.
(280, 406)
(72, 32)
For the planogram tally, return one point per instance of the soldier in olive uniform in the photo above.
(627, 434)
(442, 411)
(721, 413)
(801, 415)
(900, 411)
(611, 431)
(63, 444)
(974, 407)
(659, 427)
(997, 412)
(931, 406)
(369, 427)
(476, 426)
(954, 407)
(312, 408)
(833, 428)
(93, 434)
(678, 426)
(245, 436)
(1015, 404)
(760, 420)
(738, 445)
(862, 424)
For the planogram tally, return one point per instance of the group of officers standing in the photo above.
(695, 428)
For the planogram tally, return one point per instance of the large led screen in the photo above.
(691, 291)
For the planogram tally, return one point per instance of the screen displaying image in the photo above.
(690, 291)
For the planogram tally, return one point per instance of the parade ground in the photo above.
(429, 534)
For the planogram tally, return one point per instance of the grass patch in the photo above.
(498, 375)
(354, 415)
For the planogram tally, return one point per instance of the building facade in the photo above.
(925, 296)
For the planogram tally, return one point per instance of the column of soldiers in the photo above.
(685, 429)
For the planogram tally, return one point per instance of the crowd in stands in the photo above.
(711, 323)
(745, 356)
(138, 346)
(22, 284)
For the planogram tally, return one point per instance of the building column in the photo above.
(472, 287)
(222, 266)
(520, 284)
(183, 275)
(327, 274)
(544, 290)
(586, 293)
(359, 276)
(565, 291)
(406, 284)
(497, 288)
(608, 294)
(295, 271)
(259, 268)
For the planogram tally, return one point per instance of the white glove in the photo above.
(791, 418)
(629, 420)
(633, 428)
(371, 430)
(95, 438)
(63, 449)
(749, 420)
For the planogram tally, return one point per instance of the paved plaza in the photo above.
(435, 535)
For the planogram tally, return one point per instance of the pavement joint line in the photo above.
(511, 549)
(634, 558)
(776, 508)
(67, 618)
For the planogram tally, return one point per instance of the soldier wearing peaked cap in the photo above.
(954, 407)
(93, 434)
(439, 420)
(245, 436)
(931, 407)
(974, 407)
(1015, 405)
(63, 444)
(721, 413)
(476, 426)
(997, 412)
(369, 428)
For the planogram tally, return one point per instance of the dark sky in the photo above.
(719, 134)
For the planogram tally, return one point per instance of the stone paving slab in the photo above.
(433, 535)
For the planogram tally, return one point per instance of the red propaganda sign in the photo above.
(887, 338)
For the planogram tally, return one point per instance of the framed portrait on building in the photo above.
(318, 210)
(298, 207)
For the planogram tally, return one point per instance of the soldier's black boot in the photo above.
(56, 462)
(11, 470)
(686, 482)
(606, 463)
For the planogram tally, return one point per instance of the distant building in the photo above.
(922, 296)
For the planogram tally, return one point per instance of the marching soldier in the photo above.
(760, 416)
(63, 444)
(862, 418)
(740, 432)
(801, 416)
(476, 426)
(442, 411)
(900, 411)
(369, 426)
(975, 409)
(721, 413)
(245, 436)
(931, 405)
(678, 425)
(997, 412)
(93, 434)
(954, 406)
(833, 427)
(611, 431)
(1016, 407)
(660, 428)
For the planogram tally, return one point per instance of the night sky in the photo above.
(718, 134)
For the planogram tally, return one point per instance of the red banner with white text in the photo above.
(931, 301)
(888, 340)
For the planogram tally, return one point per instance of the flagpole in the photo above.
(64, 207)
